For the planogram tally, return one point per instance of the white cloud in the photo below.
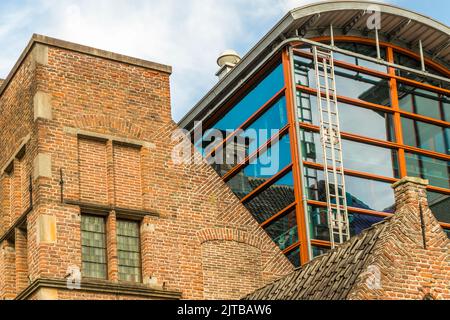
(189, 35)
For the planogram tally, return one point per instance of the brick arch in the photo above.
(230, 234)
(111, 124)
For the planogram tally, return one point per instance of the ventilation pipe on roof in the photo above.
(227, 61)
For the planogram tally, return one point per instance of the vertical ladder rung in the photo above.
(331, 144)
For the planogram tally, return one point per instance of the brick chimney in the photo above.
(412, 253)
(410, 191)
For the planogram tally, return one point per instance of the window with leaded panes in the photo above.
(93, 247)
(129, 255)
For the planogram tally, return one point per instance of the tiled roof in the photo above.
(328, 277)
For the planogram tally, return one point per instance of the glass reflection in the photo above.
(260, 131)
(311, 146)
(318, 223)
(426, 136)
(284, 231)
(304, 72)
(363, 87)
(377, 125)
(434, 170)
(272, 200)
(254, 100)
(423, 102)
(440, 205)
(361, 193)
(412, 63)
(366, 122)
(247, 142)
(370, 159)
(357, 156)
(319, 227)
(319, 251)
(262, 168)
(294, 257)
(363, 49)
(446, 109)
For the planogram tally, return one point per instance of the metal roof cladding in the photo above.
(399, 26)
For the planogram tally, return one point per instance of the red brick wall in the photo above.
(125, 111)
(16, 123)
(8, 270)
(225, 264)
(5, 203)
(409, 269)
(127, 177)
(21, 260)
(93, 171)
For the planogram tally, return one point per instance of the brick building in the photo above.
(89, 188)
(406, 256)
(88, 183)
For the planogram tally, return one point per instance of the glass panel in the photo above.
(440, 205)
(294, 257)
(93, 247)
(423, 102)
(304, 72)
(370, 159)
(319, 251)
(446, 107)
(363, 87)
(426, 136)
(128, 246)
(254, 100)
(406, 61)
(261, 169)
(361, 193)
(370, 194)
(284, 231)
(274, 199)
(266, 126)
(361, 222)
(94, 270)
(357, 156)
(251, 139)
(366, 122)
(363, 49)
(319, 223)
(434, 170)
(311, 146)
(308, 110)
(409, 62)
(377, 125)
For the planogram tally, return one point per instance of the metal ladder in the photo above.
(330, 135)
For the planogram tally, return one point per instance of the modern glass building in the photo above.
(393, 94)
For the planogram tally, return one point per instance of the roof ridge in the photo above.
(325, 271)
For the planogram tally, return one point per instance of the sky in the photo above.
(189, 35)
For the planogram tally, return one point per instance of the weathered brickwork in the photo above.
(92, 131)
(413, 254)
(93, 170)
(127, 177)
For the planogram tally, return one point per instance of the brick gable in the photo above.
(100, 142)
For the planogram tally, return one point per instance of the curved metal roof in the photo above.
(398, 26)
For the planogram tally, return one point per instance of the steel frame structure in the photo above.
(285, 52)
